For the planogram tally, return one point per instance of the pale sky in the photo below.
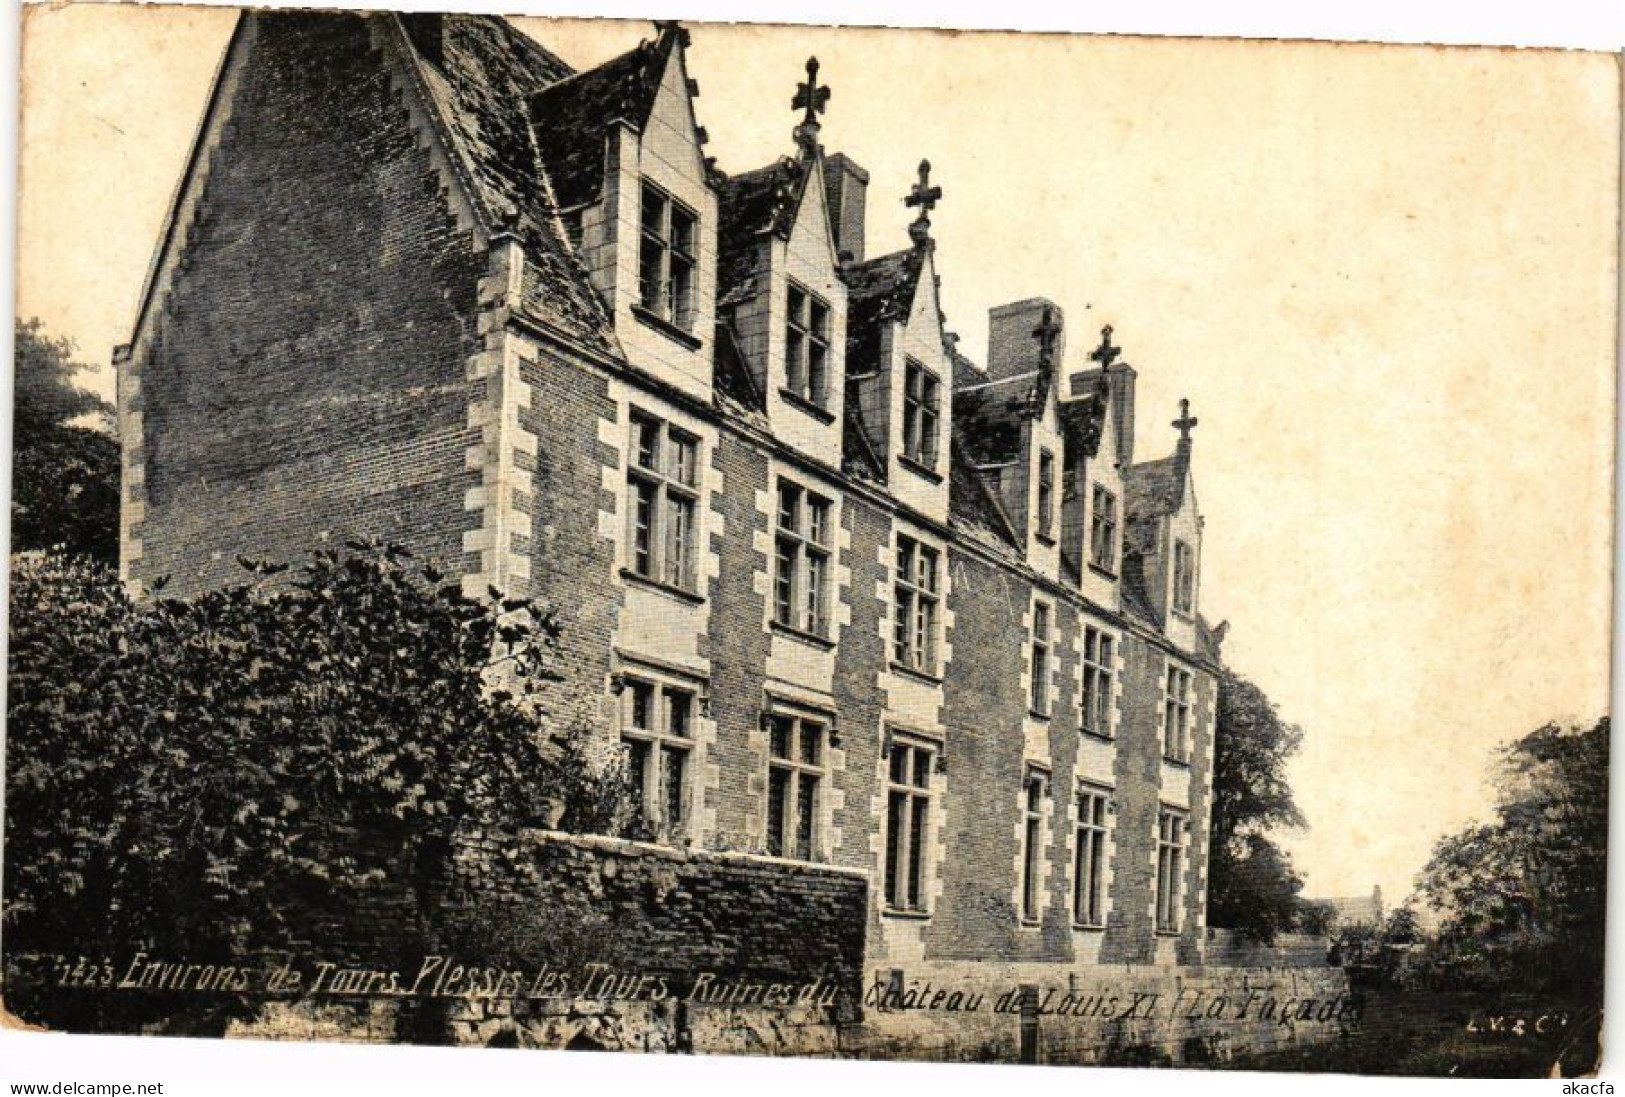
(1384, 276)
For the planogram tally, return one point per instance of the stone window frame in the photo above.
(671, 484)
(806, 346)
(1035, 785)
(917, 605)
(1099, 680)
(798, 769)
(1172, 824)
(657, 739)
(1045, 506)
(1103, 529)
(668, 257)
(804, 549)
(1092, 831)
(1178, 710)
(1184, 577)
(922, 415)
(1041, 659)
(918, 794)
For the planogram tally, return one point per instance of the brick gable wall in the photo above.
(305, 371)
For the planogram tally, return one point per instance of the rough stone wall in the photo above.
(305, 370)
(640, 909)
(1132, 1016)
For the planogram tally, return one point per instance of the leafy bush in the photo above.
(264, 765)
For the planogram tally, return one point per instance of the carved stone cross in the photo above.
(926, 197)
(810, 98)
(1184, 423)
(1047, 332)
(1105, 354)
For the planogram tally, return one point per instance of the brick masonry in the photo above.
(303, 375)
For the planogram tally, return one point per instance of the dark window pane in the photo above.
(672, 785)
(806, 812)
(896, 819)
(778, 802)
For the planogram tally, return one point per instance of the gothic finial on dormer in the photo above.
(812, 100)
(926, 197)
(1048, 334)
(1184, 424)
(1105, 354)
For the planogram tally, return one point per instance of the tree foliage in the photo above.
(1252, 886)
(1375, 953)
(65, 476)
(1523, 897)
(254, 767)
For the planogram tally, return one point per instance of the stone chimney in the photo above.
(1024, 335)
(846, 186)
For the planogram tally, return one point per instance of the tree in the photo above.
(1252, 886)
(1316, 917)
(1523, 897)
(65, 476)
(1377, 953)
(226, 776)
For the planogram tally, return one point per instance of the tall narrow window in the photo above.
(1170, 868)
(801, 560)
(914, 642)
(1184, 577)
(662, 483)
(1103, 530)
(908, 806)
(795, 773)
(1089, 859)
(1032, 841)
(1176, 716)
(656, 721)
(1046, 493)
(922, 392)
(1039, 700)
(1099, 653)
(666, 256)
(806, 346)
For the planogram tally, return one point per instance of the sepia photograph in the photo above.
(827, 542)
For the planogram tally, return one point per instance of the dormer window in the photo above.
(922, 395)
(666, 258)
(806, 347)
(1103, 530)
(1184, 578)
(1046, 494)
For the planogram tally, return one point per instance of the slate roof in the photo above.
(1156, 488)
(750, 205)
(1209, 638)
(485, 70)
(571, 115)
(735, 384)
(972, 507)
(858, 455)
(989, 415)
(878, 291)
